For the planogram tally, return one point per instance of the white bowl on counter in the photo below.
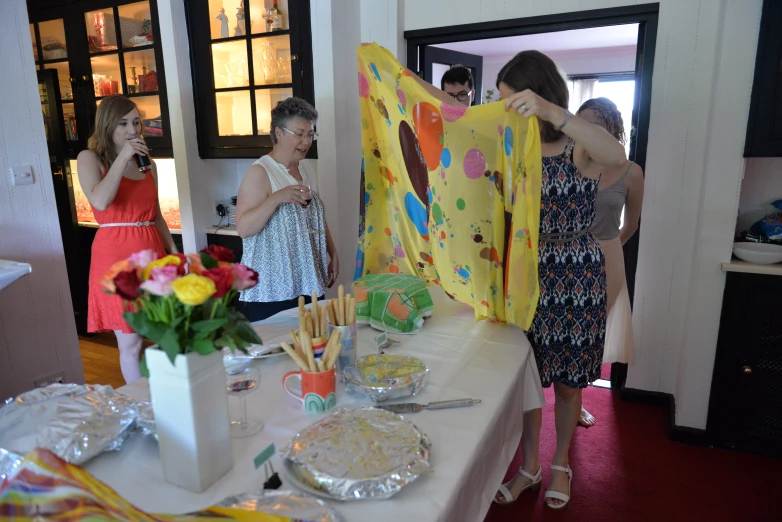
(758, 253)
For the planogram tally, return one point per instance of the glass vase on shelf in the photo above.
(269, 62)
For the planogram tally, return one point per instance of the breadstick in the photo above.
(323, 330)
(302, 325)
(315, 315)
(330, 309)
(306, 343)
(297, 344)
(301, 305)
(351, 311)
(330, 346)
(308, 322)
(294, 356)
(321, 365)
(333, 355)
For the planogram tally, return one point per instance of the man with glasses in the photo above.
(457, 82)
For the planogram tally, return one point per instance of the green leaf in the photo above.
(203, 346)
(247, 333)
(226, 340)
(146, 327)
(143, 366)
(207, 326)
(208, 261)
(169, 343)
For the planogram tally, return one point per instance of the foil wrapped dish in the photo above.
(384, 377)
(357, 454)
(291, 504)
(76, 422)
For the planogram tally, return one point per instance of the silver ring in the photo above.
(523, 107)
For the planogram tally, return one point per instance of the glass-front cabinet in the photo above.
(247, 55)
(99, 48)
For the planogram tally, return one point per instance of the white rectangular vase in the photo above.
(191, 417)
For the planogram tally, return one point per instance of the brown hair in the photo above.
(110, 112)
(608, 115)
(535, 71)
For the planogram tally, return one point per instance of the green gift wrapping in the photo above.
(396, 303)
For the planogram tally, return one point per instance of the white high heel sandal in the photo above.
(506, 494)
(556, 494)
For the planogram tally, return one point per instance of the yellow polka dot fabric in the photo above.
(440, 183)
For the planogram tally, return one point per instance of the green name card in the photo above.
(265, 455)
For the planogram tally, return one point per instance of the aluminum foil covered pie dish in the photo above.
(357, 454)
(384, 377)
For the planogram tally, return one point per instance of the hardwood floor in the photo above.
(100, 358)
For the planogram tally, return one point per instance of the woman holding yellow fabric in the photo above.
(568, 330)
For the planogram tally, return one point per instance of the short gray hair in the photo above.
(288, 109)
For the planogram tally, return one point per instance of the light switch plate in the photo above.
(22, 174)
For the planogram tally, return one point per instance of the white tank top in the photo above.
(280, 177)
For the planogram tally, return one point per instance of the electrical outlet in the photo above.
(43, 382)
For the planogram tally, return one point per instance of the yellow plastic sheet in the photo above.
(440, 184)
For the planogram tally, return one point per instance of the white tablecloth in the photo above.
(471, 447)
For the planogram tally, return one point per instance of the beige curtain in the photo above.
(580, 91)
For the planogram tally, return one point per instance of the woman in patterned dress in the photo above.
(568, 329)
(282, 221)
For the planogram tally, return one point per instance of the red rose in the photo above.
(219, 253)
(180, 269)
(127, 284)
(223, 277)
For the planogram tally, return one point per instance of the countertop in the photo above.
(736, 265)
(223, 231)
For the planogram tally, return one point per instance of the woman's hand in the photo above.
(131, 147)
(297, 194)
(528, 103)
(333, 269)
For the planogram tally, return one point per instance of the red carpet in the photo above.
(626, 469)
(605, 371)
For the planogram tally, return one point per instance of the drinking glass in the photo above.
(241, 384)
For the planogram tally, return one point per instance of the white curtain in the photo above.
(580, 91)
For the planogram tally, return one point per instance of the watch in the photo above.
(566, 119)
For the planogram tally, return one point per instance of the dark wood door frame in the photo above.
(645, 15)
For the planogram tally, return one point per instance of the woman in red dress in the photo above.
(125, 203)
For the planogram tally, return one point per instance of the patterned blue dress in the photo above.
(568, 330)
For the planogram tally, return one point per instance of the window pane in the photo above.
(140, 71)
(69, 115)
(135, 24)
(226, 19)
(83, 208)
(101, 33)
(167, 192)
(271, 60)
(106, 75)
(262, 19)
(64, 79)
(623, 95)
(234, 114)
(35, 44)
(149, 110)
(53, 39)
(230, 64)
(265, 101)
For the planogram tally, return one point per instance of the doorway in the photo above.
(632, 31)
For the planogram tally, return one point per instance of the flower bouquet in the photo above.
(182, 303)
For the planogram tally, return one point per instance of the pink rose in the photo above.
(244, 277)
(160, 279)
(143, 258)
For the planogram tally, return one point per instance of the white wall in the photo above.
(37, 329)
(762, 185)
(575, 62)
(700, 101)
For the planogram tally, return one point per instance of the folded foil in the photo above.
(145, 421)
(75, 422)
(384, 377)
(298, 506)
(9, 462)
(356, 454)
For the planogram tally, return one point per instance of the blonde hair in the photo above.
(110, 112)
(609, 116)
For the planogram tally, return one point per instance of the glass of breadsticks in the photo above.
(342, 318)
(314, 349)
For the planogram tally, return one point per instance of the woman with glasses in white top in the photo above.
(282, 221)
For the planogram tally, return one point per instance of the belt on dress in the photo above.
(562, 237)
(136, 224)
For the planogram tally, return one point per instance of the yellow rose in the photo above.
(193, 289)
(157, 263)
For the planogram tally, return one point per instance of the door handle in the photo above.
(59, 173)
(747, 370)
(294, 58)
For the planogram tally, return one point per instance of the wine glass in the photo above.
(241, 384)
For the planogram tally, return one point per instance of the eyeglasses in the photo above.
(312, 136)
(462, 96)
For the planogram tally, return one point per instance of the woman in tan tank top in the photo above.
(620, 189)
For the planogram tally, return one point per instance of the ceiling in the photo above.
(561, 41)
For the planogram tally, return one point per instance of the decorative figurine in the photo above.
(223, 23)
(239, 29)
